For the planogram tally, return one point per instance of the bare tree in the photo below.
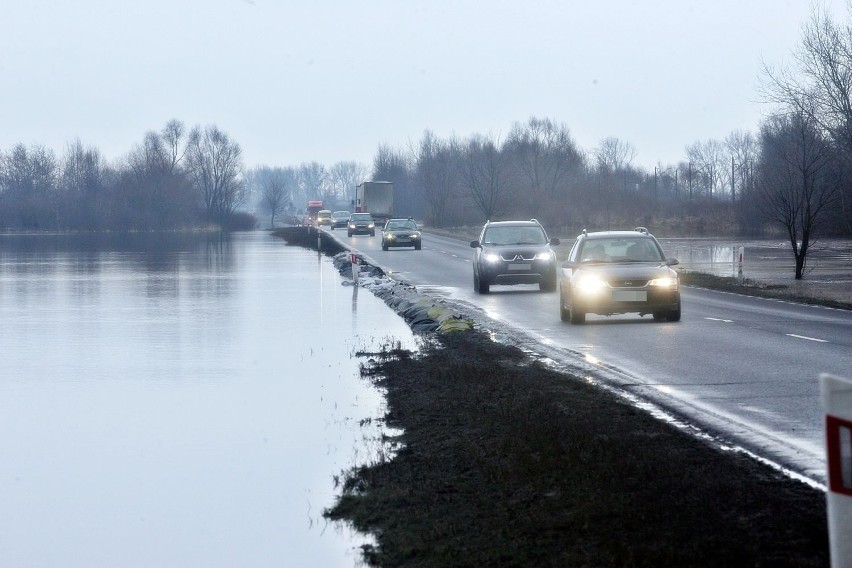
(709, 161)
(215, 165)
(797, 178)
(274, 196)
(483, 175)
(313, 179)
(819, 83)
(545, 153)
(437, 175)
(614, 155)
(742, 147)
(344, 177)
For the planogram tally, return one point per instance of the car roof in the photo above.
(514, 224)
(638, 232)
(341, 211)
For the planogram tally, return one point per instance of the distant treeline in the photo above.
(175, 179)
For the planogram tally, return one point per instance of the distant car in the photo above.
(514, 252)
(616, 272)
(324, 217)
(400, 233)
(339, 219)
(361, 224)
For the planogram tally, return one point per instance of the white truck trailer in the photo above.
(375, 198)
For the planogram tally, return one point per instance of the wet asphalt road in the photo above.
(746, 368)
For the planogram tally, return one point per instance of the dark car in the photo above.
(616, 272)
(361, 224)
(514, 252)
(339, 219)
(400, 233)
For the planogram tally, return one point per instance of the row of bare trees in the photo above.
(273, 191)
(174, 179)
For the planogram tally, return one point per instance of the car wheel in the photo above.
(548, 284)
(674, 315)
(564, 315)
(384, 246)
(372, 233)
(480, 286)
(576, 316)
(417, 247)
(349, 233)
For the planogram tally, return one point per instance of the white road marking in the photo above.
(806, 337)
(717, 319)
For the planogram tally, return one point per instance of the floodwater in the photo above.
(180, 400)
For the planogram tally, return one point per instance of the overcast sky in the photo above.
(295, 81)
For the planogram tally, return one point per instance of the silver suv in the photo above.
(617, 272)
(514, 252)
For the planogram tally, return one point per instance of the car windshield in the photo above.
(513, 235)
(340, 214)
(361, 217)
(620, 249)
(404, 224)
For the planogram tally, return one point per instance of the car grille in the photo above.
(518, 257)
(628, 283)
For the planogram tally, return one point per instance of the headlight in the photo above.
(544, 256)
(590, 284)
(389, 237)
(667, 282)
(371, 225)
(415, 236)
(491, 257)
(351, 225)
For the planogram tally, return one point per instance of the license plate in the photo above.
(520, 266)
(403, 239)
(629, 296)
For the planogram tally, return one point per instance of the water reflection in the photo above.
(193, 391)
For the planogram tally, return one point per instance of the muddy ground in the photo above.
(504, 462)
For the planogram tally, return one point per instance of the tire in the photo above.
(479, 286)
(417, 247)
(349, 233)
(576, 316)
(372, 233)
(674, 315)
(384, 246)
(564, 314)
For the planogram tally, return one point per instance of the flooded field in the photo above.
(828, 271)
(180, 401)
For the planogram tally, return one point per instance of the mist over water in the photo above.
(179, 400)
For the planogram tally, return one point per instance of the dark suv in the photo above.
(514, 252)
(616, 272)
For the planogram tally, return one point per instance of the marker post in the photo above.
(356, 268)
(741, 259)
(837, 401)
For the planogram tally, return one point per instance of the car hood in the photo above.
(509, 252)
(625, 271)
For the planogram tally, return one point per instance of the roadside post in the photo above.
(356, 268)
(837, 401)
(740, 259)
(319, 239)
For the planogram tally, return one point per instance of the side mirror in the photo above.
(474, 244)
(672, 261)
(554, 241)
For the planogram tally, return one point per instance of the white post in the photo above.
(741, 259)
(356, 268)
(837, 400)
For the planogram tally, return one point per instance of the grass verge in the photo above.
(505, 462)
(757, 288)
